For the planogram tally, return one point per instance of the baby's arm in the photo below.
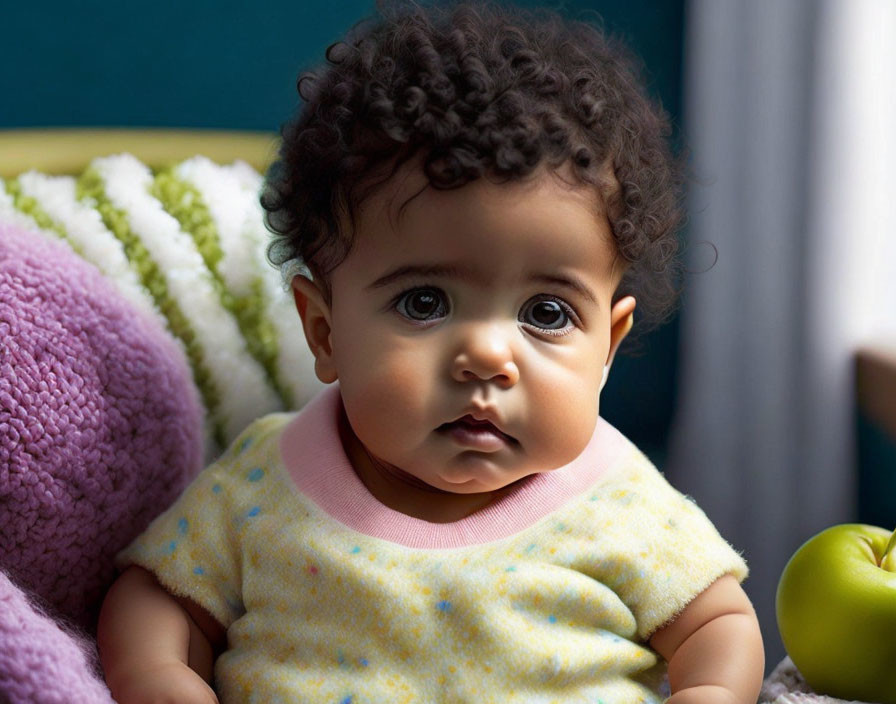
(714, 648)
(155, 647)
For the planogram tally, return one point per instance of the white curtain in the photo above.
(791, 124)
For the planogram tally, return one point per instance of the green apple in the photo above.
(836, 609)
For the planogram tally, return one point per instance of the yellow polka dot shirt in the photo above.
(545, 596)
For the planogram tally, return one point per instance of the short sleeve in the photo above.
(193, 548)
(669, 551)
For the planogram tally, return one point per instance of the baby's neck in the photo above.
(406, 493)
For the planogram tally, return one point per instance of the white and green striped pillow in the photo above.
(185, 244)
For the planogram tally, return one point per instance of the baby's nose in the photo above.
(485, 354)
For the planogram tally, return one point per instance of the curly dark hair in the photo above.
(476, 88)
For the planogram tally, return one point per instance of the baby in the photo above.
(468, 207)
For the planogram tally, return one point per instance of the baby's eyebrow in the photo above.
(567, 281)
(420, 270)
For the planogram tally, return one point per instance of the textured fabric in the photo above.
(785, 685)
(99, 424)
(318, 610)
(186, 245)
(105, 386)
(41, 663)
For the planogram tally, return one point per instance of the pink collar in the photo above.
(315, 460)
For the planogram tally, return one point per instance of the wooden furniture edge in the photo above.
(68, 151)
(876, 386)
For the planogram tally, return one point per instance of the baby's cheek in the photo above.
(565, 422)
(391, 395)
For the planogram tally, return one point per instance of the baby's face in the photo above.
(469, 335)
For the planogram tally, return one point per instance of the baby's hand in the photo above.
(168, 682)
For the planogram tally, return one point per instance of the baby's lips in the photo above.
(468, 421)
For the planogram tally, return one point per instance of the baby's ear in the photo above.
(622, 317)
(315, 314)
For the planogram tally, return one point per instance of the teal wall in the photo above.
(222, 64)
(194, 63)
(219, 64)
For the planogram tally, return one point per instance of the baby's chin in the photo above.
(461, 484)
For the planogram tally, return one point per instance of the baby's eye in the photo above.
(546, 313)
(422, 304)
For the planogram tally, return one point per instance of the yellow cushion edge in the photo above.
(69, 151)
